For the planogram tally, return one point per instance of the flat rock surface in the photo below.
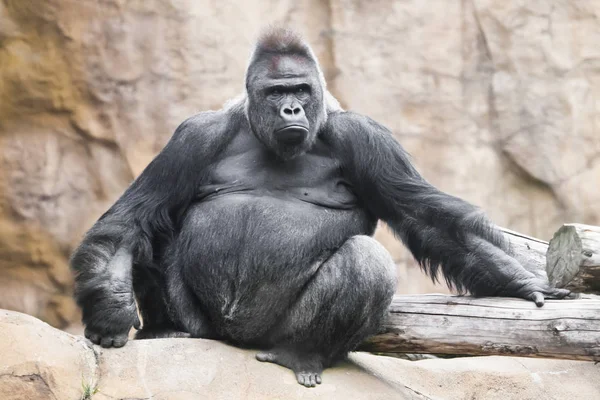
(40, 362)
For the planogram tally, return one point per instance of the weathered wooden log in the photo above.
(573, 258)
(441, 324)
(529, 251)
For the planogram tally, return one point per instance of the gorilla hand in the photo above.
(534, 289)
(107, 301)
(110, 318)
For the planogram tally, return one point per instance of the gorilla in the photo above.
(253, 225)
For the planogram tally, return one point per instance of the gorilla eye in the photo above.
(275, 93)
(302, 91)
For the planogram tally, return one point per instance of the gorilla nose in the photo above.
(292, 113)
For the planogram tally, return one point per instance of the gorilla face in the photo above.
(285, 104)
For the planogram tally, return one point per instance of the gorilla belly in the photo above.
(248, 256)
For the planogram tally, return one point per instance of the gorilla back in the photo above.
(253, 225)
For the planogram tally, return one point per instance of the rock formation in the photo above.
(41, 362)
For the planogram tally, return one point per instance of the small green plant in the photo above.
(88, 390)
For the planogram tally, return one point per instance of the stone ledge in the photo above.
(40, 362)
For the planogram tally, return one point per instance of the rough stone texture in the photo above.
(40, 362)
(496, 100)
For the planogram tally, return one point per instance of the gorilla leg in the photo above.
(149, 287)
(185, 307)
(344, 303)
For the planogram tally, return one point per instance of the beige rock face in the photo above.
(496, 101)
(40, 362)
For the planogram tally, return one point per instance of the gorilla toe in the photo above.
(307, 368)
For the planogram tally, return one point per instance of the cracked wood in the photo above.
(441, 324)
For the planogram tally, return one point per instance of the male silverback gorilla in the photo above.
(253, 226)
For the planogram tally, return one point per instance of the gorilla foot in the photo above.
(159, 333)
(308, 368)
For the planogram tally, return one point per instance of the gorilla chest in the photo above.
(314, 177)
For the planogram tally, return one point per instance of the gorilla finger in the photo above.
(538, 298)
(318, 379)
(555, 293)
(137, 324)
(106, 342)
(120, 341)
(268, 357)
(93, 337)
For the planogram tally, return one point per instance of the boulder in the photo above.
(41, 362)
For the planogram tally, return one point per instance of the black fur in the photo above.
(246, 232)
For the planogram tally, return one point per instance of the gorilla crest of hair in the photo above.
(254, 223)
(279, 42)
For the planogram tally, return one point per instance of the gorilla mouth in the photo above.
(292, 134)
(299, 127)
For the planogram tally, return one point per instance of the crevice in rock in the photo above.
(483, 37)
(95, 373)
(488, 64)
(415, 394)
(591, 162)
(110, 145)
(531, 180)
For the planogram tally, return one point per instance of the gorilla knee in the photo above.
(372, 261)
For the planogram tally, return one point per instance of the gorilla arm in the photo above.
(443, 232)
(144, 215)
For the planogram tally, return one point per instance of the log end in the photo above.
(564, 256)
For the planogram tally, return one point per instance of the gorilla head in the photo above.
(285, 94)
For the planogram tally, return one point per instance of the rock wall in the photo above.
(496, 101)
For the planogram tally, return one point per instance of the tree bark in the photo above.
(441, 324)
(573, 258)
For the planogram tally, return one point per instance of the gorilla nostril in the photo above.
(296, 110)
(288, 111)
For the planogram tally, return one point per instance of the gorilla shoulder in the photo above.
(209, 127)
